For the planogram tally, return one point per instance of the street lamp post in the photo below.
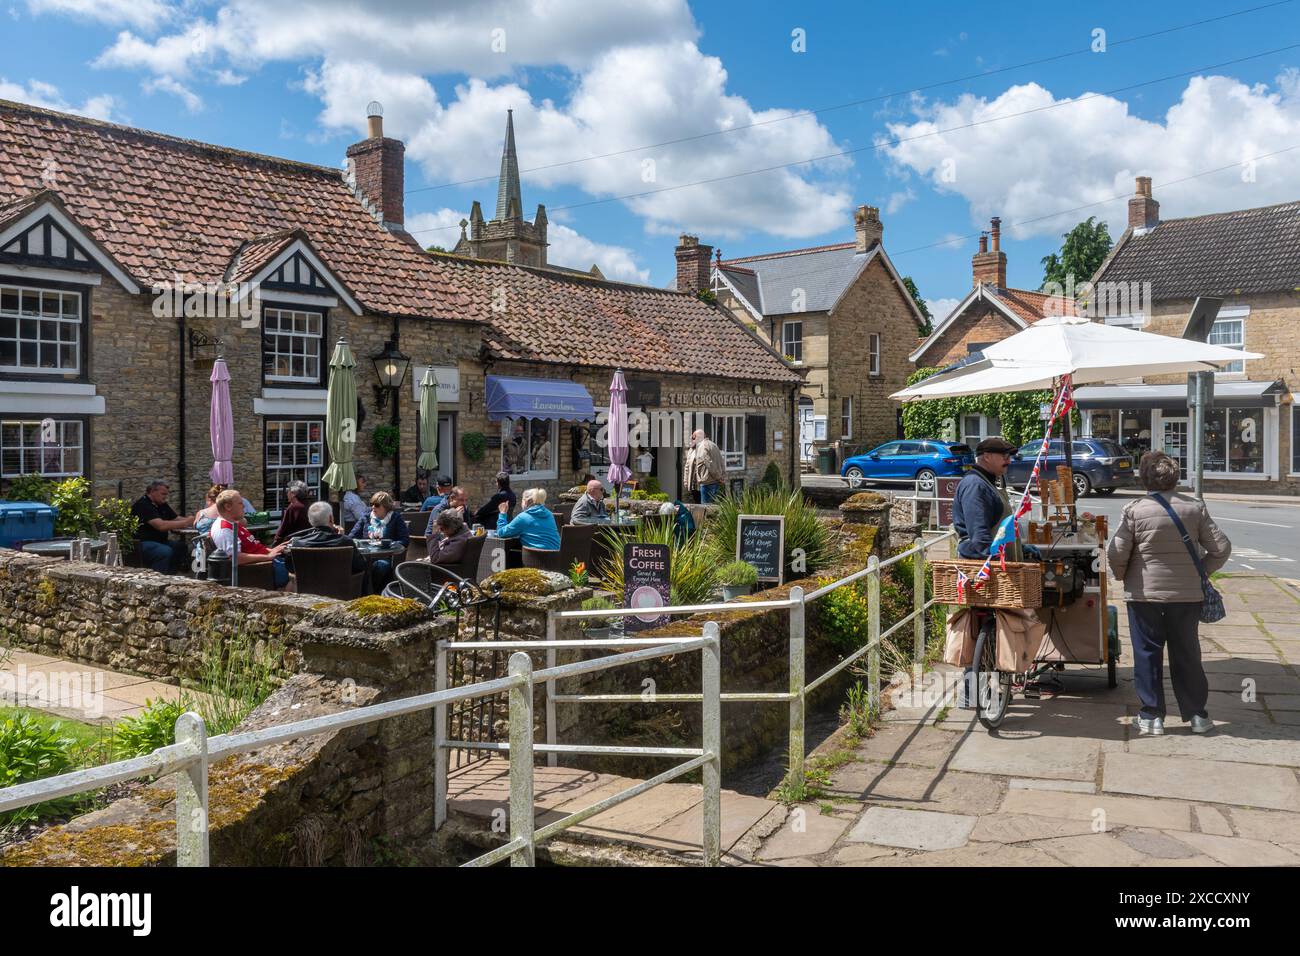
(391, 366)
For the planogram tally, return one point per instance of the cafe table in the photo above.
(62, 547)
(373, 551)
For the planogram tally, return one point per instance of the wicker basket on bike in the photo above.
(1013, 584)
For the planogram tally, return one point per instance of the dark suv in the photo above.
(1100, 465)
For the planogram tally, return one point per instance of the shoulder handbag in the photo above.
(1212, 602)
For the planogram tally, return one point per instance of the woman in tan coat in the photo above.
(1163, 589)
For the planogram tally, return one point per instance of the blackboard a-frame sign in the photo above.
(760, 541)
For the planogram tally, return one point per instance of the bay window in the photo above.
(40, 330)
(294, 450)
(53, 448)
(528, 447)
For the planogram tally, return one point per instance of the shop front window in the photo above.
(728, 433)
(1234, 440)
(528, 447)
(1130, 427)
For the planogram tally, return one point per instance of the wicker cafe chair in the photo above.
(417, 549)
(575, 545)
(327, 572)
(544, 560)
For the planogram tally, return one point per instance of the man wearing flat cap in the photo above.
(980, 502)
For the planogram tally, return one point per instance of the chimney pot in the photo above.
(984, 242)
(989, 265)
(375, 119)
(995, 230)
(376, 171)
(867, 228)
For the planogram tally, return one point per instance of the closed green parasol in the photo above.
(341, 419)
(428, 459)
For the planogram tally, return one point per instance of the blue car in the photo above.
(1100, 465)
(920, 459)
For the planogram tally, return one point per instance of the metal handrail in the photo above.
(192, 754)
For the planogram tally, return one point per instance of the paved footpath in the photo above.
(1064, 782)
(76, 691)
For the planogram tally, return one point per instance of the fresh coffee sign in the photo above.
(760, 541)
(647, 583)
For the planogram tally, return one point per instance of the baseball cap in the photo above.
(994, 444)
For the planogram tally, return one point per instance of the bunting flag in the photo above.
(1006, 532)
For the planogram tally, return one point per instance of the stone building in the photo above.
(129, 260)
(991, 311)
(839, 312)
(1248, 258)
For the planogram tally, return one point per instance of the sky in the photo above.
(757, 126)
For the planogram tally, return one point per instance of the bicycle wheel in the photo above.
(992, 687)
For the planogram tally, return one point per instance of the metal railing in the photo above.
(799, 686)
(190, 758)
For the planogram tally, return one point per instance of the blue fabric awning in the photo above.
(537, 398)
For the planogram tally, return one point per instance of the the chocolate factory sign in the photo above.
(721, 400)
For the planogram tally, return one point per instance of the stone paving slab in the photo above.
(1024, 827)
(803, 835)
(1209, 781)
(912, 829)
(740, 814)
(878, 783)
(1267, 825)
(1114, 811)
(1250, 743)
(1091, 849)
(1240, 852)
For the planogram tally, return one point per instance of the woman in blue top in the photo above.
(534, 525)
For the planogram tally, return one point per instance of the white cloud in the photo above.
(1033, 165)
(141, 14)
(635, 76)
(568, 247)
(166, 84)
(36, 93)
(896, 201)
(940, 309)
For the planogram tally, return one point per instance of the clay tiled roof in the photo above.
(163, 206)
(1222, 254)
(1032, 306)
(14, 210)
(569, 319)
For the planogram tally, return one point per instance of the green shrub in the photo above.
(737, 574)
(597, 603)
(235, 677)
(30, 488)
(804, 534)
(643, 495)
(76, 508)
(693, 574)
(31, 749)
(771, 476)
(115, 516)
(155, 727)
(843, 616)
(650, 485)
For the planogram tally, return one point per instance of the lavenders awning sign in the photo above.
(538, 398)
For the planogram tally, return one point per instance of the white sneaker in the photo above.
(1202, 725)
(1153, 727)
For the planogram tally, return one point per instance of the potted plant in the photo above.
(737, 578)
(596, 628)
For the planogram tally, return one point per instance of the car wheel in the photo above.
(925, 480)
(854, 476)
(1081, 485)
(1105, 491)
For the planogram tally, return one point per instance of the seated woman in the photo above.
(383, 523)
(534, 525)
(207, 515)
(295, 512)
(453, 536)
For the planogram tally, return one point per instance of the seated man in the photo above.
(433, 501)
(230, 507)
(294, 519)
(458, 502)
(418, 491)
(323, 534)
(590, 508)
(156, 519)
(534, 525)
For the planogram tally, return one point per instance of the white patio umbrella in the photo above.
(1087, 351)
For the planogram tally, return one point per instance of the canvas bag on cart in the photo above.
(1020, 636)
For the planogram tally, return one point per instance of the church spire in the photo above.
(508, 195)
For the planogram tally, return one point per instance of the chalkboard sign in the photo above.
(760, 541)
(646, 583)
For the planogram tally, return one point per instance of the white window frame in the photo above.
(533, 427)
(278, 475)
(67, 329)
(846, 417)
(792, 345)
(873, 345)
(314, 343)
(32, 454)
(728, 433)
(1225, 339)
(985, 430)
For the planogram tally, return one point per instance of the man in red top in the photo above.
(230, 508)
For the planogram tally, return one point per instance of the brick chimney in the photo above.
(867, 228)
(1143, 211)
(989, 265)
(693, 273)
(376, 171)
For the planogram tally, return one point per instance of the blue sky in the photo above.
(587, 80)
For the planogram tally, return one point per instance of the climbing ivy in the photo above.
(1018, 412)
